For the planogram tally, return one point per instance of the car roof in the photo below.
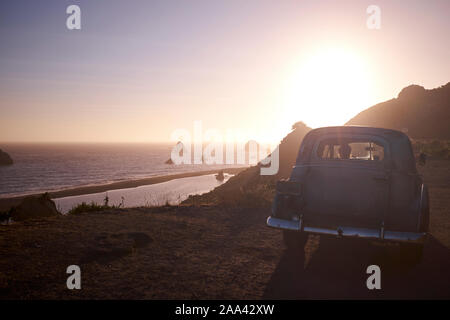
(387, 133)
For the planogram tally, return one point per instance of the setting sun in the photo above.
(328, 88)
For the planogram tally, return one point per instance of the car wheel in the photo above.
(294, 240)
(412, 253)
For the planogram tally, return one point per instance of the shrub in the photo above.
(434, 148)
(91, 207)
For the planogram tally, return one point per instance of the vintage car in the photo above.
(353, 181)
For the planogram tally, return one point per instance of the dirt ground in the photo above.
(213, 253)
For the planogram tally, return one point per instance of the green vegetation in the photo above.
(85, 207)
(94, 207)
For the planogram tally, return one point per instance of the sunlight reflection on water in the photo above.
(173, 191)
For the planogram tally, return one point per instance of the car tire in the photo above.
(412, 253)
(294, 240)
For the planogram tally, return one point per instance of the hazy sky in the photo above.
(138, 70)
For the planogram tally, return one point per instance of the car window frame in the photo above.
(356, 137)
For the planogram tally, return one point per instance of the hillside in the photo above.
(423, 114)
(249, 188)
(419, 112)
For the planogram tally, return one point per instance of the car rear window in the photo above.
(347, 149)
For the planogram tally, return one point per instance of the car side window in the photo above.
(348, 149)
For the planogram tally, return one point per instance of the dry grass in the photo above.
(181, 252)
(436, 174)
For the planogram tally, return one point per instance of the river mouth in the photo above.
(170, 192)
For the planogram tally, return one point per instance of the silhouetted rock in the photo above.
(5, 159)
(419, 112)
(34, 207)
(179, 149)
(220, 176)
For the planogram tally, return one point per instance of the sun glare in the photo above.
(328, 88)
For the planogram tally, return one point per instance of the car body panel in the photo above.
(376, 194)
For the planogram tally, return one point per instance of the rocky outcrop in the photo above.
(33, 207)
(5, 159)
(412, 92)
(220, 176)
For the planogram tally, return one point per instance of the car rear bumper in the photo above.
(373, 234)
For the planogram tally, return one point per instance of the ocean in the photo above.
(52, 167)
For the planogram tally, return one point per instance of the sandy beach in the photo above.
(7, 202)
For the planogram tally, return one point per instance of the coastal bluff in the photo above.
(5, 159)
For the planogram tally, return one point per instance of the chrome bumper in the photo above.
(375, 234)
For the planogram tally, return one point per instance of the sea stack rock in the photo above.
(5, 159)
(220, 176)
(178, 148)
